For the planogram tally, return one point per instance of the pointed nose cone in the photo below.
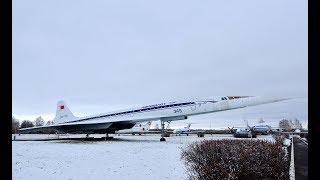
(256, 100)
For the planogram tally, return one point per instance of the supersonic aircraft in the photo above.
(66, 122)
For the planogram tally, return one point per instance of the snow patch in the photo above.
(125, 157)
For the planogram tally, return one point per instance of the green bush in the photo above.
(236, 159)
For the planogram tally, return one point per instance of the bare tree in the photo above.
(49, 123)
(39, 121)
(26, 124)
(15, 125)
(296, 124)
(286, 124)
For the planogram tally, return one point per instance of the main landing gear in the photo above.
(162, 132)
(106, 137)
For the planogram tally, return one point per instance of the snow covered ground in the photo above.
(125, 157)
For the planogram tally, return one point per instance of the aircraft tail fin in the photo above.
(63, 113)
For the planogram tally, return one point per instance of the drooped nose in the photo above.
(256, 100)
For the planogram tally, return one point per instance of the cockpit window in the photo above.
(236, 97)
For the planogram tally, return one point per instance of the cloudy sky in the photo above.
(107, 55)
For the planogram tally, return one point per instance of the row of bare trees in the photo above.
(27, 123)
(289, 125)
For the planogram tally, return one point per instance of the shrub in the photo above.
(236, 159)
(280, 138)
(26, 124)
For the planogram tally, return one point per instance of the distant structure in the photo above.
(261, 121)
(168, 126)
(139, 128)
(155, 127)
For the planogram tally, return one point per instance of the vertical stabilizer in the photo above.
(63, 113)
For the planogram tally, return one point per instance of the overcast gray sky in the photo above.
(106, 55)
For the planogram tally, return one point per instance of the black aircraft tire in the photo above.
(162, 139)
(254, 136)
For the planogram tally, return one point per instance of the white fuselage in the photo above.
(174, 110)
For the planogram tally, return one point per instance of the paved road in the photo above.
(300, 158)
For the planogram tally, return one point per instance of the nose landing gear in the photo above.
(163, 133)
